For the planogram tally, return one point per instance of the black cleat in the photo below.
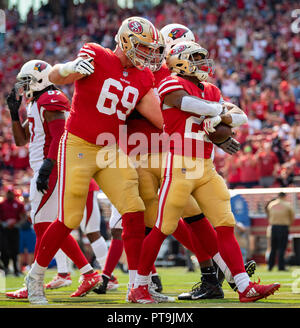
(250, 268)
(101, 289)
(157, 282)
(203, 290)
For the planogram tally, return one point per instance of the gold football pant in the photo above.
(78, 162)
(149, 172)
(183, 177)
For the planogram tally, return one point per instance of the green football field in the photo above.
(175, 281)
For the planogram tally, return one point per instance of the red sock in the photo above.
(150, 249)
(230, 250)
(113, 256)
(204, 238)
(182, 234)
(71, 248)
(133, 235)
(153, 270)
(51, 242)
(39, 229)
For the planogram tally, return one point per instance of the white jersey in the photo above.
(40, 138)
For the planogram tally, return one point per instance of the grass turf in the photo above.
(175, 281)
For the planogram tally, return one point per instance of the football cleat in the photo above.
(112, 283)
(35, 288)
(18, 294)
(203, 290)
(157, 282)
(158, 297)
(141, 295)
(255, 291)
(102, 287)
(59, 281)
(89, 282)
(250, 268)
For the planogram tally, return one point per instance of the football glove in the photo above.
(44, 174)
(230, 146)
(14, 104)
(79, 65)
(210, 123)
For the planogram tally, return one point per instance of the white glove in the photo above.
(210, 123)
(79, 65)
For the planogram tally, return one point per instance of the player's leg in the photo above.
(75, 173)
(173, 196)
(90, 225)
(114, 252)
(119, 181)
(213, 197)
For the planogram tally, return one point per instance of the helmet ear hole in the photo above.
(40, 80)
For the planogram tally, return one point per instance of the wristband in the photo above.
(238, 119)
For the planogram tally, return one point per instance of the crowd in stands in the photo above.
(257, 67)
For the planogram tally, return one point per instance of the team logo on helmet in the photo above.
(177, 33)
(39, 66)
(135, 27)
(177, 50)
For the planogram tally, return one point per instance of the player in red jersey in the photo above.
(108, 86)
(191, 109)
(149, 181)
(42, 130)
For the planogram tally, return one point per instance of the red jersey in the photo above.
(150, 141)
(187, 137)
(103, 100)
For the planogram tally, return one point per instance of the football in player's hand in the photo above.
(223, 132)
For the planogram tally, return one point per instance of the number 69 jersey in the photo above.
(185, 130)
(104, 99)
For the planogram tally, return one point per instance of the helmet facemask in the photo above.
(152, 59)
(25, 83)
(201, 68)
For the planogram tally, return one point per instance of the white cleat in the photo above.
(59, 281)
(158, 297)
(35, 288)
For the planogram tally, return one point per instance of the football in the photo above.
(223, 132)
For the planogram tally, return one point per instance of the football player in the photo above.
(108, 86)
(191, 109)
(43, 128)
(149, 181)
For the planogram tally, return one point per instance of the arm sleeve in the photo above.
(56, 129)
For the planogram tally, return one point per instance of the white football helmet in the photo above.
(189, 58)
(33, 76)
(175, 33)
(136, 33)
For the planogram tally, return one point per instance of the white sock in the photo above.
(100, 250)
(141, 280)
(37, 270)
(224, 268)
(242, 281)
(61, 262)
(86, 269)
(132, 274)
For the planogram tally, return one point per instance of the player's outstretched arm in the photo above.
(149, 107)
(71, 71)
(191, 104)
(20, 131)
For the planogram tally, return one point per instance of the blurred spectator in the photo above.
(12, 215)
(248, 168)
(266, 161)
